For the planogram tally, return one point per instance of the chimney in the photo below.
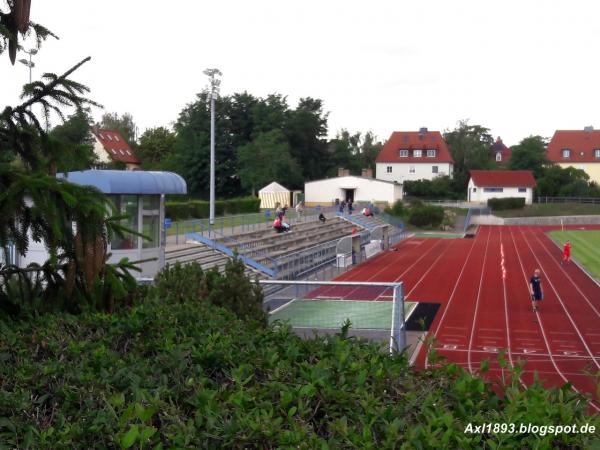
(367, 173)
(343, 172)
(422, 132)
(588, 129)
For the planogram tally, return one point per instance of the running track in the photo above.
(482, 314)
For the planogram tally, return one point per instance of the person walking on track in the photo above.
(566, 256)
(535, 289)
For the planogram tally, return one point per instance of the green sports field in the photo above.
(585, 247)
(326, 314)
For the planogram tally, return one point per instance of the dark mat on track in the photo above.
(422, 317)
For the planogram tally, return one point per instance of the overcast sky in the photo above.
(517, 67)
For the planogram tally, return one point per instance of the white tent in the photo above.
(273, 193)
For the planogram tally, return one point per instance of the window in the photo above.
(116, 138)
(150, 220)
(434, 169)
(128, 152)
(597, 153)
(403, 153)
(411, 169)
(109, 137)
(566, 153)
(417, 153)
(431, 153)
(388, 169)
(126, 205)
(474, 189)
(498, 157)
(493, 189)
(121, 152)
(522, 189)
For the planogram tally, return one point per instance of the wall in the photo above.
(101, 155)
(400, 172)
(482, 197)
(324, 192)
(591, 168)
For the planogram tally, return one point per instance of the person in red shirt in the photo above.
(566, 252)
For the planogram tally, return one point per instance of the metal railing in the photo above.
(217, 246)
(588, 200)
(241, 223)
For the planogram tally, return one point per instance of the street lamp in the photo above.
(29, 63)
(214, 92)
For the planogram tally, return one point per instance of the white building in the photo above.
(358, 189)
(414, 155)
(486, 184)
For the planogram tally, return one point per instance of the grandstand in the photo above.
(309, 245)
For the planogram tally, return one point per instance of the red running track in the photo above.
(482, 314)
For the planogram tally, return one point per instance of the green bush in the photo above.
(177, 210)
(398, 209)
(200, 209)
(188, 374)
(231, 290)
(498, 204)
(426, 215)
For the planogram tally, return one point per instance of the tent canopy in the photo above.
(273, 187)
(272, 194)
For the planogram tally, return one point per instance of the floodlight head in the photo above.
(33, 51)
(24, 61)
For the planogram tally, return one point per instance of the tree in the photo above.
(124, 124)
(557, 181)
(70, 219)
(268, 158)
(306, 129)
(470, 146)
(156, 147)
(75, 141)
(529, 154)
(353, 151)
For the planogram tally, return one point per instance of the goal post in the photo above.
(372, 307)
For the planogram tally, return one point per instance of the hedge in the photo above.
(498, 204)
(426, 215)
(180, 372)
(199, 209)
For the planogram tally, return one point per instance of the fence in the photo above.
(9, 257)
(589, 200)
(376, 310)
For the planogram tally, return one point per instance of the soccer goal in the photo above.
(375, 310)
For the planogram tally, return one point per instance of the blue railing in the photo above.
(272, 272)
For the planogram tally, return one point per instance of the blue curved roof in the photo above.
(129, 181)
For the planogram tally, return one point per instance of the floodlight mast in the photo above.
(213, 92)
(29, 63)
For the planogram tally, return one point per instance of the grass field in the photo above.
(551, 209)
(315, 314)
(585, 247)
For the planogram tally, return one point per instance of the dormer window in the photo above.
(597, 153)
(403, 153)
(417, 153)
(566, 153)
(498, 157)
(431, 153)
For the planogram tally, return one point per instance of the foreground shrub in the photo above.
(231, 290)
(498, 204)
(191, 375)
(426, 215)
(397, 209)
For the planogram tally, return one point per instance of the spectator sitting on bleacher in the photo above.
(367, 212)
(278, 225)
(322, 218)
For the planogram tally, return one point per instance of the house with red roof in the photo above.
(576, 148)
(486, 184)
(414, 155)
(110, 147)
(500, 152)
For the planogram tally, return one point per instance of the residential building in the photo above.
(500, 152)
(414, 155)
(486, 184)
(110, 147)
(577, 148)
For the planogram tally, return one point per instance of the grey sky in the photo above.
(517, 67)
